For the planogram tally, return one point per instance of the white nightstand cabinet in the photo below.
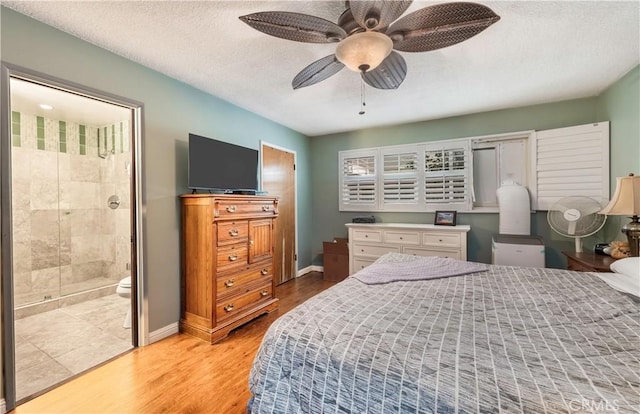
(367, 242)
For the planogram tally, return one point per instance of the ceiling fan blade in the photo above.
(389, 74)
(377, 14)
(295, 26)
(317, 71)
(439, 26)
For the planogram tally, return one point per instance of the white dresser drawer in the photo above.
(373, 250)
(367, 235)
(359, 264)
(441, 239)
(453, 254)
(402, 237)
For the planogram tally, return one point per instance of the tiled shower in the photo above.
(70, 210)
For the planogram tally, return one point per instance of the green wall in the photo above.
(619, 104)
(171, 111)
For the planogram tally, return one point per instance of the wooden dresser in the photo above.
(227, 262)
(367, 242)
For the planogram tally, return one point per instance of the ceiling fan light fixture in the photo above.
(362, 52)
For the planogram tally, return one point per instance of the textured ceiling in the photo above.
(540, 51)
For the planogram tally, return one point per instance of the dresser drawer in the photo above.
(231, 256)
(441, 239)
(234, 282)
(235, 305)
(229, 209)
(402, 237)
(367, 235)
(230, 232)
(414, 251)
(359, 264)
(373, 250)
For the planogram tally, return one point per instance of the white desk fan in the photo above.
(576, 217)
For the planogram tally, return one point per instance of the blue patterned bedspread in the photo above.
(511, 340)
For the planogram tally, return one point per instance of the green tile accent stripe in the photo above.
(113, 138)
(83, 140)
(105, 140)
(15, 128)
(40, 132)
(63, 136)
(121, 137)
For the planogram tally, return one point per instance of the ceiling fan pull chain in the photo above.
(362, 102)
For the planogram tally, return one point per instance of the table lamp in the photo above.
(626, 202)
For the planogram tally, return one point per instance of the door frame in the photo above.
(140, 298)
(295, 191)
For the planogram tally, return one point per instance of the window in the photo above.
(446, 175)
(400, 189)
(571, 161)
(358, 181)
(464, 174)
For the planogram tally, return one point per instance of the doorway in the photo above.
(70, 203)
(278, 176)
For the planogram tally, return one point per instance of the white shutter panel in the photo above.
(358, 180)
(447, 183)
(400, 189)
(571, 161)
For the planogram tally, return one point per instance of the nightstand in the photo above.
(588, 262)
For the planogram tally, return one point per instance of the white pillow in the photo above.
(626, 276)
(629, 266)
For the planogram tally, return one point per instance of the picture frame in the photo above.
(445, 218)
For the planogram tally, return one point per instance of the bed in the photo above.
(495, 339)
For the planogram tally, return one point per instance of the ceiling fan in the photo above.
(366, 36)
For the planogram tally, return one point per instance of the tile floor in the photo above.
(55, 345)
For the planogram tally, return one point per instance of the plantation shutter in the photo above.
(447, 182)
(400, 188)
(358, 180)
(571, 161)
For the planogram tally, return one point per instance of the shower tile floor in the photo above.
(56, 345)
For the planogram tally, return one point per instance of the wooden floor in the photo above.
(179, 374)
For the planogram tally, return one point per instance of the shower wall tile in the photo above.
(79, 195)
(108, 221)
(21, 231)
(44, 194)
(86, 270)
(22, 256)
(85, 221)
(85, 249)
(21, 284)
(21, 163)
(28, 137)
(45, 224)
(45, 253)
(52, 135)
(83, 169)
(46, 281)
(123, 222)
(108, 248)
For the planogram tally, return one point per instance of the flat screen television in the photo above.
(221, 166)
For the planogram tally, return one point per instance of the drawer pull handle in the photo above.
(366, 235)
(231, 209)
(264, 293)
(440, 240)
(228, 308)
(266, 208)
(229, 283)
(233, 233)
(401, 238)
(233, 258)
(264, 272)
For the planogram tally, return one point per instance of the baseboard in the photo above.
(312, 268)
(162, 333)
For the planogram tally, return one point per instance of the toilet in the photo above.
(124, 290)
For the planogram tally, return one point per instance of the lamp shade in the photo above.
(364, 51)
(626, 199)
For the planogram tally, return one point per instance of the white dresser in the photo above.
(367, 242)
